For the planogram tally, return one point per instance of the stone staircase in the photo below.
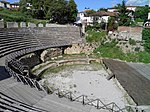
(35, 98)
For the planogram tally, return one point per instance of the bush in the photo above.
(132, 42)
(110, 50)
(94, 36)
(137, 49)
(146, 38)
(13, 16)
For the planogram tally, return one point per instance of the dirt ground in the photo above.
(89, 80)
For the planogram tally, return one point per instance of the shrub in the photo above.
(132, 41)
(94, 36)
(146, 38)
(137, 49)
(110, 50)
(13, 16)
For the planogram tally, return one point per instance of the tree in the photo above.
(72, 11)
(146, 38)
(141, 13)
(123, 16)
(23, 6)
(89, 12)
(102, 9)
(57, 11)
(112, 24)
(38, 9)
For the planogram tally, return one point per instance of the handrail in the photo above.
(69, 95)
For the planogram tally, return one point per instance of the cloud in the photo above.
(137, 2)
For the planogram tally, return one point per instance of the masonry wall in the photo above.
(124, 33)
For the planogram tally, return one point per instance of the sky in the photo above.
(96, 4)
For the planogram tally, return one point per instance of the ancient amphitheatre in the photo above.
(95, 85)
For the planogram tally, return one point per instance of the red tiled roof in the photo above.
(103, 13)
(130, 29)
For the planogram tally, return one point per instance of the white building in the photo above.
(103, 16)
(1, 4)
(99, 17)
(131, 8)
(4, 4)
(112, 10)
(83, 17)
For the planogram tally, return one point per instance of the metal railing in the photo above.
(111, 107)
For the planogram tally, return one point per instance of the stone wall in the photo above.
(125, 33)
(12, 25)
(32, 25)
(31, 60)
(1, 24)
(50, 54)
(80, 48)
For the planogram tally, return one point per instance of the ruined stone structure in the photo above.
(125, 33)
(80, 48)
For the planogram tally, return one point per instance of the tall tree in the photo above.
(38, 9)
(59, 12)
(72, 11)
(102, 9)
(23, 4)
(123, 16)
(112, 24)
(141, 13)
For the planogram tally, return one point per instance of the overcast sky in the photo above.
(96, 4)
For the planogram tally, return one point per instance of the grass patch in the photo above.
(94, 36)
(110, 50)
(13, 16)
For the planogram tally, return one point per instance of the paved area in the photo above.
(143, 69)
(135, 84)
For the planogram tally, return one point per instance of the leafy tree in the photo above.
(123, 16)
(141, 13)
(23, 5)
(37, 9)
(102, 9)
(90, 11)
(146, 38)
(58, 11)
(112, 25)
(72, 8)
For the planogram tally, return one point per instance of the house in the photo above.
(4, 4)
(112, 10)
(131, 8)
(83, 17)
(99, 17)
(102, 16)
(14, 6)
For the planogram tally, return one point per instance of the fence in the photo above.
(24, 24)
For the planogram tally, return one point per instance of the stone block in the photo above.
(23, 24)
(48, 25)
(40, 25)
(31, 25)
(12, 25)
(1, 24)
